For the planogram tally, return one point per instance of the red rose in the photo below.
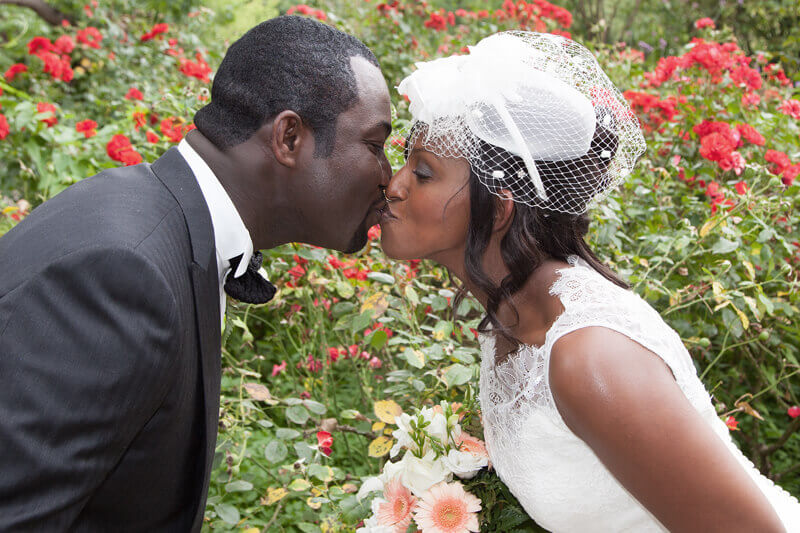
(791, 108)
(715, 147)
(119, 149)
(13, 70)
(87, 127)
(750, 99)
(745, 76)
(198, 69)
(152, 137)
(38, 45)
(171, 130)
(750, 134)
(780, 161)
(44, 107)
(4, 130)
(704, 23)
(790, 173)
(90, 36)
(58, 67)
(731, 423)
(436, 22)
(64, 44)
(139, 119)
(134, 94)
(793, 411)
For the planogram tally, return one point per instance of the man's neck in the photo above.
(250, 193)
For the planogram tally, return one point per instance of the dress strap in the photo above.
(591, 300)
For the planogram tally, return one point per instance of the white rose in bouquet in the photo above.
(464, 464)
(469, 458)
(421, 473)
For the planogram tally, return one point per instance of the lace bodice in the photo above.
(554, 474)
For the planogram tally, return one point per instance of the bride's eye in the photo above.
(421, 175)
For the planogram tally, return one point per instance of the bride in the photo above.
(593, 413)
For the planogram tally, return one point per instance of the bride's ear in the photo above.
(503, 211)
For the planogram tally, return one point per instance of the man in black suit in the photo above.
(111, 293)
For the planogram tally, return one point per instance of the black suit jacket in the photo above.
(109, 355)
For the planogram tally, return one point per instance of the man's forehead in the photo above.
(373, 107)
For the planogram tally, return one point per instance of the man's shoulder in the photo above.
(126, 207)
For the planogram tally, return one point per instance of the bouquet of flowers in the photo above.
(439, 478)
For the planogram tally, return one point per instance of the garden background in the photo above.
(706, 229)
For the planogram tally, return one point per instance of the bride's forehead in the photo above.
(442, 145)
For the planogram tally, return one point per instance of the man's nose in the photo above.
(386, 170)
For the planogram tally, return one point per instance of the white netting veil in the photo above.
(533, 113)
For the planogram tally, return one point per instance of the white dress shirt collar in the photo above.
(231, 236)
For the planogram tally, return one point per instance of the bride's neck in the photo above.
(492, 264)
(531, 309)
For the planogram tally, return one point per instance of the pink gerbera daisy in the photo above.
(400, 503)
(448, 508)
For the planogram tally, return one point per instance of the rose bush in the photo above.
(705, 230)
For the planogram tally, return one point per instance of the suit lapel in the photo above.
(176, 175)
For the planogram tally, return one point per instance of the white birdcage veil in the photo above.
(531, 112)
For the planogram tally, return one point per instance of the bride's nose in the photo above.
(397, 191)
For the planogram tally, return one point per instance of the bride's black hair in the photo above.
(535, 234)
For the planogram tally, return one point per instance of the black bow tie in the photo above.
(250, 287)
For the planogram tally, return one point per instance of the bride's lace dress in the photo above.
(554, 474)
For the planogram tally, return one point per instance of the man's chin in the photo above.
(358, 241)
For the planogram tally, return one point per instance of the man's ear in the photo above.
(289, 133)
(503, 211)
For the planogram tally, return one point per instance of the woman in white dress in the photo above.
(593, 413)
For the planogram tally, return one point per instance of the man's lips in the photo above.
(386, 213)
(377, 210)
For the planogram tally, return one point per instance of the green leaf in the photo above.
(378, 339)
(345, 289)
(228, 513)
(297, 414)
(276, 451)
(349, 414)
(299, 485)
(304, 451)
(381, 277)
(342, 308)
(287, 433)
(239, 485)
(724, 246)
(414, 358)
(457, 374)
(315, 407)
(305, 527)
(412, 296)
(442, 330)
(361, 321)
(321, 472)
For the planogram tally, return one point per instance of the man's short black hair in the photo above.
(287, 62)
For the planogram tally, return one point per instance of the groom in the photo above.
(111, 293)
